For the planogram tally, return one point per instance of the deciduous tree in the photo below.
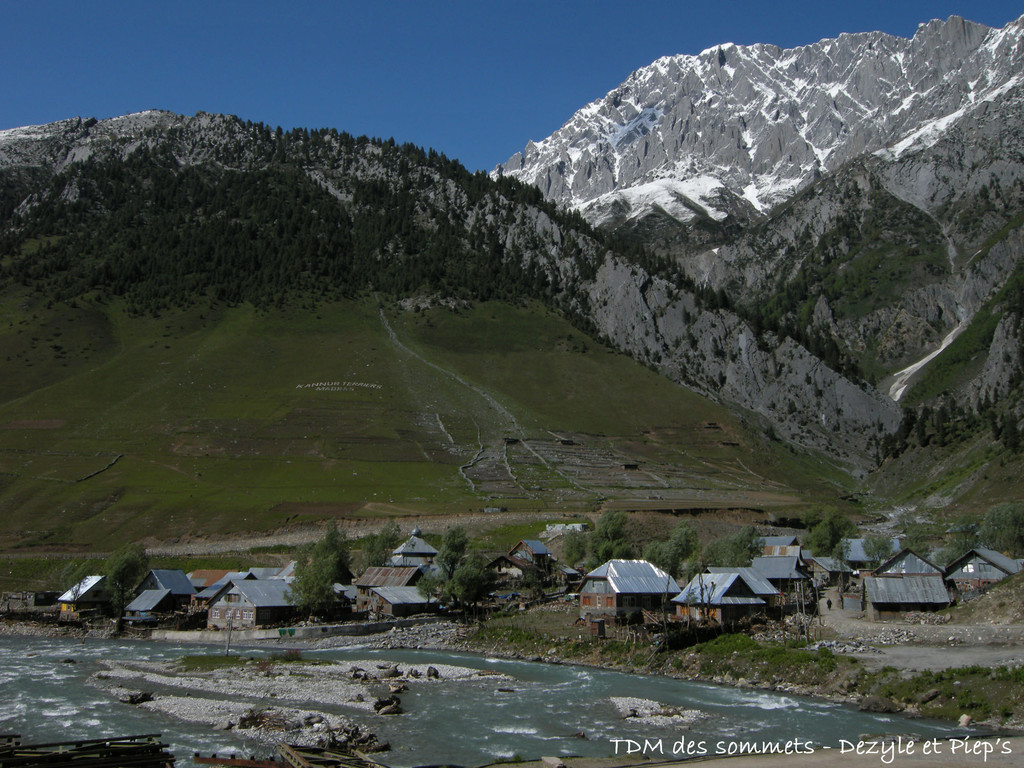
(317, 571)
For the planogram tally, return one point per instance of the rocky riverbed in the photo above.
(271, 700)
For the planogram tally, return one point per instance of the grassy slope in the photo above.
(199, 422)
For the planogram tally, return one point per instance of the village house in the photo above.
(11, 602)
(202, 578)
(509, 569)
(785, 573)
(176, 582)
(980, 568)
(621, 589)
(535, 552)
(414, 551)
(87, 597)
(150, 605)
(773, 598)
(566, 576)
(384, 576)
(399, 602)
(722, 598)
(201, 600)
(906, 561)
(828, 571)
(250, 603)
(889, 596)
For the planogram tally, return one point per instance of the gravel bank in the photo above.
(270, 701)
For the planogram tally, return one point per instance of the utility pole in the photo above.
(227, 645)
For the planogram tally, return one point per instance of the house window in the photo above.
(232, 598)
(247, 615)
(969, 568)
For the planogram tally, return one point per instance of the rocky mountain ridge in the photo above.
(105, 195)
(736, 130)
(862, 195)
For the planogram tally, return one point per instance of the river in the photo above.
(468, 722)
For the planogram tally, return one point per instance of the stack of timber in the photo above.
(145, 751)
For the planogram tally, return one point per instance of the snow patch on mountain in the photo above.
(683, 200)
(765, 122)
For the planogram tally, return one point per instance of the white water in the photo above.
(461, 722)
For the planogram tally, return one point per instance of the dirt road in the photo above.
(920, 647)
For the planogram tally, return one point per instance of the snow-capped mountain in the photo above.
(737, 130)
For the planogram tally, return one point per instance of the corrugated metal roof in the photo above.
(268, 572)
(202, 578)
(402, 595)
(831, 564)
(910, 589)
(287, 571)
(999, 560)
(384, 576)
(265, 593)
(778, 541)
(635, 577)
(414, 545)
(148, 600)
(907, 561)
(758, 584)
(537, 547)
(778, 567)
(714, 589)
(174, 580)
(81, 589)
(781, 550)
(232, 576)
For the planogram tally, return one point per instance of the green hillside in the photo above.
(200, 421)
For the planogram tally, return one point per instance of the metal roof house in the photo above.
(203, 598)
(202, 578)
(148, 604)
(828, 570)
(907, 561)
(414, 551)
(385, 576)
(399, 602)
(534, 551)
(724, 598)
(980, 568)
(89, 594)
(251, 603)
(783, 572)
(622, 588)
(891, 595)
(760, 586)
(512, 568)
(175, 581)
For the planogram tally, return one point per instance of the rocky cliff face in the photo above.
(737, 130)
(717, 353)
(866, 148)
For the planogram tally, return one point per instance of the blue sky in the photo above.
(475, 80)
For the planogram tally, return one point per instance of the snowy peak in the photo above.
(695, 134)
